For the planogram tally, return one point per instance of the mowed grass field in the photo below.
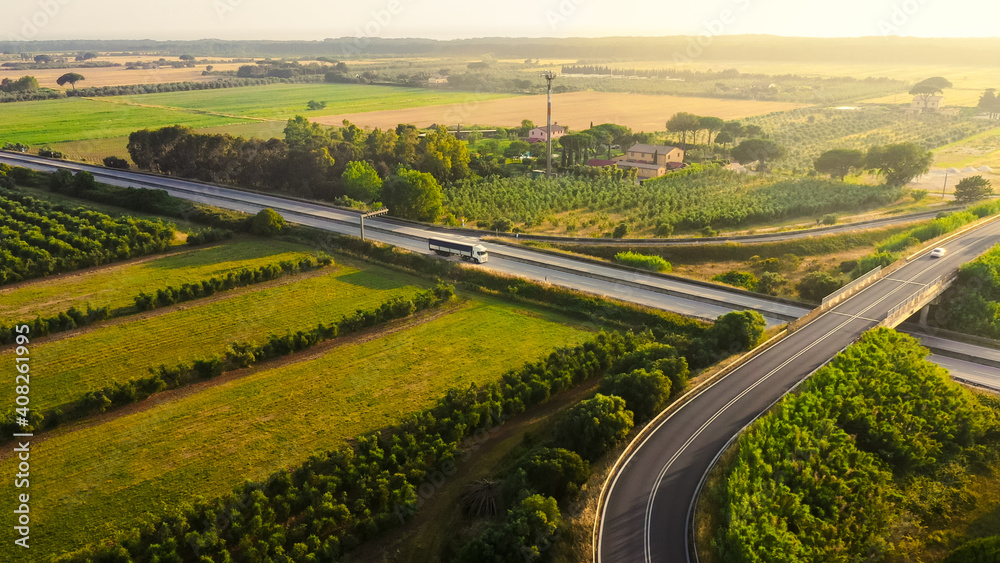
(94, 128)
(92, 482)
(284, 101)
(577, 110)
(76, 119)
(69, 367)
(117, 284)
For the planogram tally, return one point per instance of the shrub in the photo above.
(115, 162)
(817, 285)
(594, 425)
(645, 393)
(746, 280)
(553, 472)
(652, 263)
(738, 331)
(980, 550)
(770, 283)
(267, 223)
(620, 231)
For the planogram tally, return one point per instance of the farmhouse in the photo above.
(653, 154)
(932, 104)
(649, 161)
(540, 135)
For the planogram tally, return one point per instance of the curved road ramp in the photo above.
(647, 505)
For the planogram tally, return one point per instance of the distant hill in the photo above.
(874, 50)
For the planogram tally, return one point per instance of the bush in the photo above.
(594, 426)
(553, 472)
(770, 283)
(620, 231)
(872, 261)
(636, 260)
(738, 331)
(115, 162)
(817, 285)
(746, 280)
(645, 393)
(267, 223)
(209, 235)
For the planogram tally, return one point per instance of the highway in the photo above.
(703, 301)
(649, 502)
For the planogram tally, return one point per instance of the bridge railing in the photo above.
(923, 297)
(849, 289)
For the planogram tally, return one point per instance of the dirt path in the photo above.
(188, 390)
(422, 539)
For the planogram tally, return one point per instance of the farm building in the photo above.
(932, 104)
(540, 135)
(649, 161)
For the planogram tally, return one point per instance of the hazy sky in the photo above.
(449, 19)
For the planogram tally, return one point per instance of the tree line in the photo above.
(400, 167)
(40, 238)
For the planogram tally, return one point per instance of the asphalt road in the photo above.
(672, 295)
(649, 502)
(646, 516)
(987, 377)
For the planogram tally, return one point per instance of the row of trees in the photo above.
(636, 387)
(40, 238)
(725, 131)
(399, 167)
(338, 499)
(972, 304)
(856, 454)
(898, 163)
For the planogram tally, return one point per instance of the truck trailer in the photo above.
(471, 252)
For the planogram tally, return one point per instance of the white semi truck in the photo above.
(471, 252)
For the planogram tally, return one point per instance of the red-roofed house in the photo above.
(540, 134)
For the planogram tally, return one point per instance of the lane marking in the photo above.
(855, 316)
(647, 520)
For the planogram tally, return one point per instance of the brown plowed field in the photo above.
(577, 110)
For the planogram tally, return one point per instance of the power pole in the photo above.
(945, 186)
(549, 77)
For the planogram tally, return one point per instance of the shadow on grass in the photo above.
(379, 279)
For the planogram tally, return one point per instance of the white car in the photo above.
(937, 252)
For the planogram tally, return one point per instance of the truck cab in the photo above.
(479, 254)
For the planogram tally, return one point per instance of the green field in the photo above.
(94, 481)
(283, 101)
(73, 366)
(75, 119)
(93, 128)
(117, 284)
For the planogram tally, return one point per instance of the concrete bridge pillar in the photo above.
(923, 315)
